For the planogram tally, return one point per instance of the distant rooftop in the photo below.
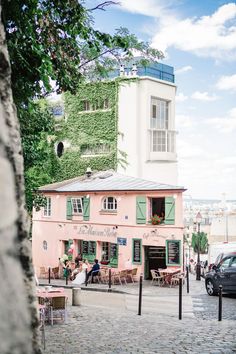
(156, 70)
(107, 181)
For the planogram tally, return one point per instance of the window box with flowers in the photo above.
(156, 220)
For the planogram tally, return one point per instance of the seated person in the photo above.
(94, 271)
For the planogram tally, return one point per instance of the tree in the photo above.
(54, 41)
(46, 40)
(200, 241)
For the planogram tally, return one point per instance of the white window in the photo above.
(47, 208)
(110, 203)
(77, 205)
(86, 105)
(159, 114)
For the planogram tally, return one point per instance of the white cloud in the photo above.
(181, 97)
(227, 83)
(207, 36)
(152, 8)
(184, 69)
(224, 124)
(203, 96)
(183, 120)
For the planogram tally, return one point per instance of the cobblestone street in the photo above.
(117, 329)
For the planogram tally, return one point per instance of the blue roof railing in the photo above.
(156, 70)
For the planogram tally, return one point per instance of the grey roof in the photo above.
(107, 181)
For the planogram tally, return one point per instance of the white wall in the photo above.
(134, 121)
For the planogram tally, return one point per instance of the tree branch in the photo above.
(103, 5)
(97, 56)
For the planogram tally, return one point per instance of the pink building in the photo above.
(114, 218)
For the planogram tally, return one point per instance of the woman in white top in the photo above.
(80, 277)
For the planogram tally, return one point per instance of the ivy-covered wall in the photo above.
(92, 128)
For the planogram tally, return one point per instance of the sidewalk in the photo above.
(155, 299)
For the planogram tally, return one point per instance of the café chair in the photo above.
(58, 309)
(156, 277)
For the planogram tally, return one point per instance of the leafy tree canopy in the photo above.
(55, 40)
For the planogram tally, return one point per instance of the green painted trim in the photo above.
(133, 240)
(180, 253)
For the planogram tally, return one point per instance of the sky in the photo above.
(198, 38)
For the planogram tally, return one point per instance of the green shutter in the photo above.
(169, 211)
(68, 209)
(113, 255)
(141, 210)
(86, 208)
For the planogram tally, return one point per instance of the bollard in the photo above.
(140, 295)
(109, 278)
(180, 299)
(66, 278)
(220, 304)
(76, 296)
(187, 279)
(86, 277)
(49, 275)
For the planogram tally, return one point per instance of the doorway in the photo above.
(155, 257)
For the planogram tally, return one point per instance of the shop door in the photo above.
(155, 258)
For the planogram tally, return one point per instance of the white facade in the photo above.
(135, 110)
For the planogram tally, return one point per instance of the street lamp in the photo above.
(198, 270)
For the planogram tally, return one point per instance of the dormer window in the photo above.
(109, 204)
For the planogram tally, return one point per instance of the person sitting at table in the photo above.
(94, 271)
(80, 277)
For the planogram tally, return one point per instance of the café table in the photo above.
(45, 298)
(168, 274)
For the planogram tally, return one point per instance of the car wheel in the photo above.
(210, 287)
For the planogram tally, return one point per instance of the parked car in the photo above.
(223, 273)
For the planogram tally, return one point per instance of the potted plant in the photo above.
(155, 219)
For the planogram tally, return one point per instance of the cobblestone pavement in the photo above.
(100, 330)
(107, 331)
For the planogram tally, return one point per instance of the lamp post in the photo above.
(198, 270)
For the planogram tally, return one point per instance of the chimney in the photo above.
(88, 172)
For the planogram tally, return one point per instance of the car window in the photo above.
(233, 263)
(225, 263)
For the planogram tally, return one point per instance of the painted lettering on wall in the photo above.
(154, 235)
(90, 231)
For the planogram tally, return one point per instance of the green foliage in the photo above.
(200, 241)
(56, 40)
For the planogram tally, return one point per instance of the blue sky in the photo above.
(199, 41)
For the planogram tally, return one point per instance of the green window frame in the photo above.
(135, 242)
(89, 250)
(173, 253)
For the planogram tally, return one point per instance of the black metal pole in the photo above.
(66, 278)
(187, 275)
(86, 277)
(140, 295)
(109, 283)
(49, 275)
(220, 304)
(198, 270)
(180, 299)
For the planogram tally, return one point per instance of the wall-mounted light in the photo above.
(115, 227)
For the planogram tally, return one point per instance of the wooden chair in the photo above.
(43, 272)
(55, 273)
(58, 309)
(132, 274)
(156, 277)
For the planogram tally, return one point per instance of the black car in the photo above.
(223, 273)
